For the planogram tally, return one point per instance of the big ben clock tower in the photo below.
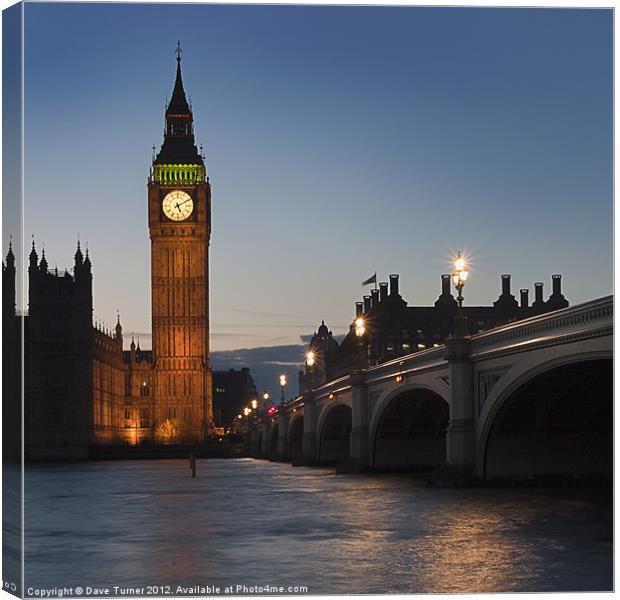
(179, 212)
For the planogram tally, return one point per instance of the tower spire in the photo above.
(179, 147)
(10, 257)
(79, 258)
(119, 328)
(43, 263)
(178, 102)
(33, 255)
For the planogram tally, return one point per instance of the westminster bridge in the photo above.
(531, 398)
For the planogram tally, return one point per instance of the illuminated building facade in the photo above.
(81, 389)
(179, 213)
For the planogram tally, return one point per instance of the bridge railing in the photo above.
(593, 318)
(423, 359)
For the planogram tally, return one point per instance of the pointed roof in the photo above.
(43, 263)
(78, 256)
(178, 103)
(10, 257)
(179, 146)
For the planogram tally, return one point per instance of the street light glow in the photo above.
(254, 403)
(459, 263)
(360, 327)
(459, 277)
(283, 380)
(310, 358)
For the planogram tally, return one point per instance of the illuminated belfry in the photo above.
(179, 210)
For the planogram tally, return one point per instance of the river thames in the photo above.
(255, 523)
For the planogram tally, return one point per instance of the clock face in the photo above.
(178, 205)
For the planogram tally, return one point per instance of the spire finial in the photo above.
(118, 316)
(178, 51)
(10, 242)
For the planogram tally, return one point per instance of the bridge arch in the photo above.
(295, 436)
(381, 405)
(334, 433)
(551, 420)
(409, 429)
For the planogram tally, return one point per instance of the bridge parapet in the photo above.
(591, 319)
(408, 364)
(336, 386)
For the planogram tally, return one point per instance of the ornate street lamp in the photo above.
(459, 278)
(266, 399)
(360, 331)
(282, 386)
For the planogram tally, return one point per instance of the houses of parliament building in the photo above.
(81, 389)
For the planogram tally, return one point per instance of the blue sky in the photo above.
(339, 141)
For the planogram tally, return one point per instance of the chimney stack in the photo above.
(445, 285)
(538, 293)
(366, 304)
(394, 285)
(524, 297)
(505, 285)
(383, 291)
(358, 309)
(374, 298)
(556, 300)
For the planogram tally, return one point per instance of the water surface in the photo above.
(255, 523)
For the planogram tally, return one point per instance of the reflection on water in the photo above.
(258, 523)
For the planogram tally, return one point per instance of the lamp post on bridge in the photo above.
(459, 468)
(459, 278)
(282, 386)
(360, 332)
(359, 405)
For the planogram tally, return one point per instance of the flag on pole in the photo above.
(371, 279)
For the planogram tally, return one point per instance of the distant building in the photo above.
(394, 329)
(233, 390)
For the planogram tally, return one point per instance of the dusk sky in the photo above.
(339, 140)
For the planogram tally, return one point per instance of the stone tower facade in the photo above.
(179, 217)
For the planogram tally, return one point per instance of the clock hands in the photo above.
(178, 205)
